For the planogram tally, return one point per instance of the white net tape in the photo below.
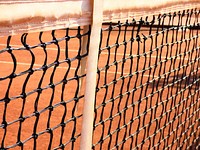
(36, 15)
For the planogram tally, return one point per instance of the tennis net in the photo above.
(40, 82)
(147, 93)
(148, 83)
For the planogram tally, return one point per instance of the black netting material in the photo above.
(148, 84)
(57, 68)
(147, 94)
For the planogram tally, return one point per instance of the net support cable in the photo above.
(88, 111)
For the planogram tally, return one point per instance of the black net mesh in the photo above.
(148, 83)
(147, 94)
(39, 92)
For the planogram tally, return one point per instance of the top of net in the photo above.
(19, 16)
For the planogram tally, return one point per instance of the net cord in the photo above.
(88, 110)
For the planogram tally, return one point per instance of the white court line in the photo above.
(36, 65)
(54, 49)
(39, 65)
(121, 54)
(112, 72)
(118, 54)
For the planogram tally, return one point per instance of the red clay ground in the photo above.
(171, 122)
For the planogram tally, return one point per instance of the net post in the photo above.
(88, 110)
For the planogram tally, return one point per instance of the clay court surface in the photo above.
(168, 108)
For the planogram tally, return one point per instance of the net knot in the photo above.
(183, 13)
(144, 37)
(143, 141)
(125, 43)
(128, 92)
(56, 63)
(21, 119)
(108, 47)
(63, 103)
(9, 49)
(23, 95)
(112, 99)
(73, 139)
(67, 38)
(49, 130)
(141, 22)
(43, 45)
(103, 104)
(132, 39)
(76, 99)
(50, 108)
(97, 89)
(65, 81)
(79, 36)
(122, 77)
(153, 20)
(111, 118)
(7, 100)
(44, 67)
(76, 77)
(51, 85)
(37, 114)
(19, 143)
(127, 23)
(13, 75)
(179, 13)
(79, 57)
(39, 90)
(30, 71)
(174, 14)
(138, 38)
(55, 41)
(115, 63)
(110, 27)
(68, 60)
(164, 15)
(169, 14)
(117, 45)
(114, 81)
(133, 21)
(105, 86)
(107, 66)
(62, 146)
(35, 136)
(62, 124)
(74, 118)
(4, 124)
(124, 60)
